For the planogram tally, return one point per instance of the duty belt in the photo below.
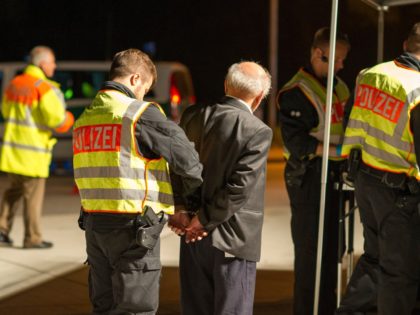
(378, 174)
(393, 180)
(106, 221)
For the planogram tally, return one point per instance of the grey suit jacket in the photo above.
(233, 146)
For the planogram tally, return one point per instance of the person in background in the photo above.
(302, 104)
(33, 107)
(222, 241)
(124, 150)
(384, 127)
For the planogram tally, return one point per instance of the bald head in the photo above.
(44, 58)
(247, 80)
(39, 53)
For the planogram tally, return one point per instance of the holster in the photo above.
(295, 173)
(149, 226)
(81, 220)
(355, 158)
(413, 186)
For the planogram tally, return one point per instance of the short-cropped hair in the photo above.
(248, 83)
(413, 40)
(132, 61)
(322, 38)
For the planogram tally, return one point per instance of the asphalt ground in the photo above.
(68, 295)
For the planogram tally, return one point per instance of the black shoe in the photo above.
(5, 240)
(42, 245)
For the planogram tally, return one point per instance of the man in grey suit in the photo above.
(218, 271)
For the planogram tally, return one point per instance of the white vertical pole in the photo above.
(273, 57)
(326, 142)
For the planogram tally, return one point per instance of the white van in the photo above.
(80, 80)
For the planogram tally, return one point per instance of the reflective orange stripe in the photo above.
(66, 125)
(44, 87)
(22, 90)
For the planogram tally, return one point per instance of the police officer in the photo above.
(384, 126)
(33, 106)
(302, 103)
(124, 149)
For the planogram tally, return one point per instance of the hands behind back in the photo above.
(195, 231)
(178, 222)
(181, 223)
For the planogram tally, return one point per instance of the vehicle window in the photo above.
(180, 81)
(80, 84)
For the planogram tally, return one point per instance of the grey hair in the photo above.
(39, 54)
(248, 83)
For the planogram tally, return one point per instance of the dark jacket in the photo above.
(233, 146)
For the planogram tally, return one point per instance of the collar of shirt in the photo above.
(409, 60)
(35, 72)
(243, 102)
(323, 81)
(119, 87)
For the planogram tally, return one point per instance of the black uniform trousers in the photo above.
(305, 202)
(213, 284)
(123, 277)
(387, 274)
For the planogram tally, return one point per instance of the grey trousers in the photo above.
(123, 277)
(30, 190)
(212, 284)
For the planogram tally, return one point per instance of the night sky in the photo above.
(207, 36)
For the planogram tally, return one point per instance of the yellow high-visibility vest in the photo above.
(32, 107)
(317, 95)
(111, 174)
(379, 122)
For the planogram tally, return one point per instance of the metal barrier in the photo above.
(344, 191)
